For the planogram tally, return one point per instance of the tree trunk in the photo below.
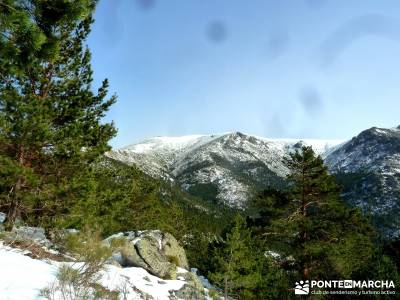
(226, 288)
(14, 211)
(303, 233)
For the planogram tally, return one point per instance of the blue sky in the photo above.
(297, 69)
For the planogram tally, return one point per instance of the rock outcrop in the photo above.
(156, 263)
(36, 235)
(188, 292)
(157, 252)
(2, 219)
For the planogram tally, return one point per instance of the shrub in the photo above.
(80, 280)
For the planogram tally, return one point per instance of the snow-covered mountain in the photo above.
(227, 167)
(231, 167)
(368, 167)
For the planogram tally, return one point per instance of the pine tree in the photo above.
(312, 189)
(236, 263)
(51, 125)
(19, 38)
(314, 232)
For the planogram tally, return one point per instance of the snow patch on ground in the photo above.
(22, 278)
(115, 278)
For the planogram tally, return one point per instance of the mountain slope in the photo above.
(368, 167)
(231, 168)
(124, 187)
(226, 168)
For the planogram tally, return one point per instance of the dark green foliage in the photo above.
(392, 249)
(50, 118)
(309, 233)
(20, 38)
(267, 206)
(116, 197)
(303, 232)
(235, 263)
(206, 191)
(240, 268)
(381, 265)
(314, 226)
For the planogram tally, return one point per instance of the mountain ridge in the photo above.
(217, 160)
(231, 168)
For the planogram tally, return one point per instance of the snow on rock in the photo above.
(157, 154)
(139, 283)
(2, 217)
(224, 162)
(369, 165)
